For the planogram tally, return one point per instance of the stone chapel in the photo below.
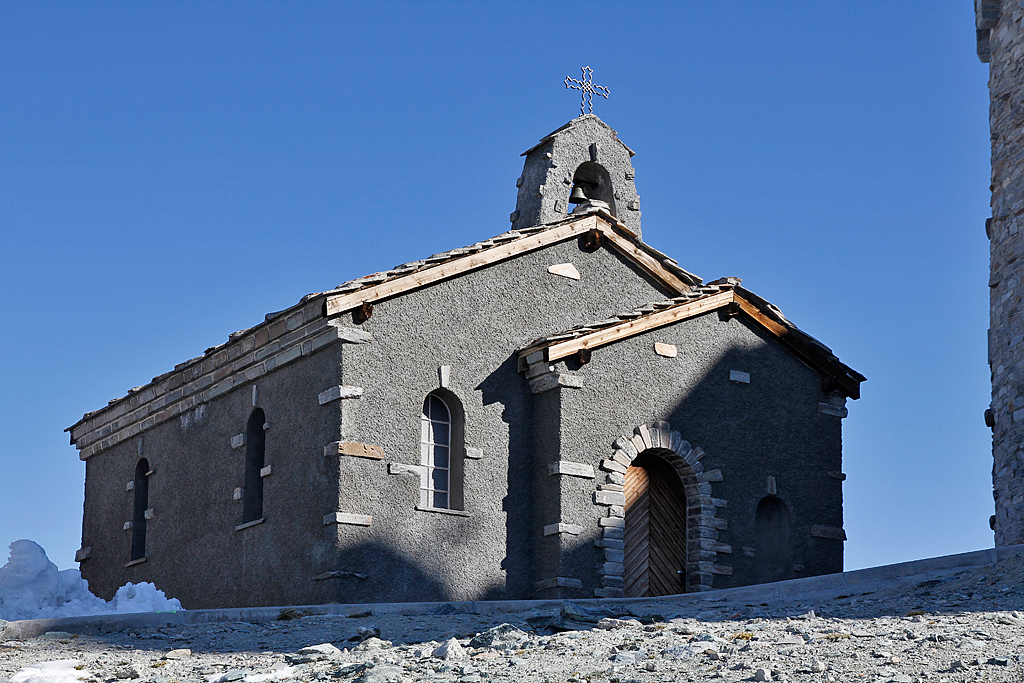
(558, 411)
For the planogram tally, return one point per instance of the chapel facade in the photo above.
(558, 411)
(1001, 45)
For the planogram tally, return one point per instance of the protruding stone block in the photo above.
(821, 531)
(609, 498)
(562, 528)
(339, 392)
(358, 450)
(348, 518)
(572, 469)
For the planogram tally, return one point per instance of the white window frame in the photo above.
(428, 490)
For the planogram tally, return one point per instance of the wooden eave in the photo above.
(805, 347)
(613, 233)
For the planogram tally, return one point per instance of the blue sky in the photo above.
(170, 172)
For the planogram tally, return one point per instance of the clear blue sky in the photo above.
(170, 172)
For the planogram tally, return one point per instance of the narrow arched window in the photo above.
(255, 455)
(141, 489)
(441, 451)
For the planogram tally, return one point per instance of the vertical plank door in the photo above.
(655, 534)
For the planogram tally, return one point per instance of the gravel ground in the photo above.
(955, 626)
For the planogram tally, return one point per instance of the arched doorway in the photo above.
(773, 547)
(655, 533)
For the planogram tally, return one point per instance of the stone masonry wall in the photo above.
(999, 31)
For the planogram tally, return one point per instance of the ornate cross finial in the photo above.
(588, 88)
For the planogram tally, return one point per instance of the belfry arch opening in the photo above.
(655, 527)
(592, 181)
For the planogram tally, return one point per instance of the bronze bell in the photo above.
(577, 196)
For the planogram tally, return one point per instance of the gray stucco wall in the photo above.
(193, 549)
(769, 427)
(474, 324)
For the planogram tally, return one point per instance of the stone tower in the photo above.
(1001, 44)
(585, 154)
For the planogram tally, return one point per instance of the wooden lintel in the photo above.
(458, 265)
(647, 262)
(651, 321)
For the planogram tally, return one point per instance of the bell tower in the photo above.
(581, 167)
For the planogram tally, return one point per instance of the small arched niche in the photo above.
(773, 545)
(596, 184)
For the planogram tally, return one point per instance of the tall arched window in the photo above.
(255, 452)
(141, 489)
(441, 451)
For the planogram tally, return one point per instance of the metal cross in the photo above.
(588, 88)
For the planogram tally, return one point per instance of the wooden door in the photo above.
(655, 535)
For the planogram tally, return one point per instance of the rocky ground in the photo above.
(958, 626)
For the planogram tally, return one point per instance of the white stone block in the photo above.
(741, 377)
(339, 392)
(348, 518)
(402, 468)
(566, 270)
(572, 469)
(667, 350)
(267, 471)
(238, 440)
(561, 528)
(609, 498)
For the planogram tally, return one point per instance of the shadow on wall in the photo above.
(391, 571)
(507, 387)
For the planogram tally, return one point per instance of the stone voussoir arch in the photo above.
(702, 522)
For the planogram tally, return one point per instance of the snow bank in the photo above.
(32, 588)
(60, 671)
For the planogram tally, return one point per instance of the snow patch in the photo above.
(60, 671)
(32, 588)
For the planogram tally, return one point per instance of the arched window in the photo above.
(255, 450)
(141, 489)
(441, 451)
(773, 546)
